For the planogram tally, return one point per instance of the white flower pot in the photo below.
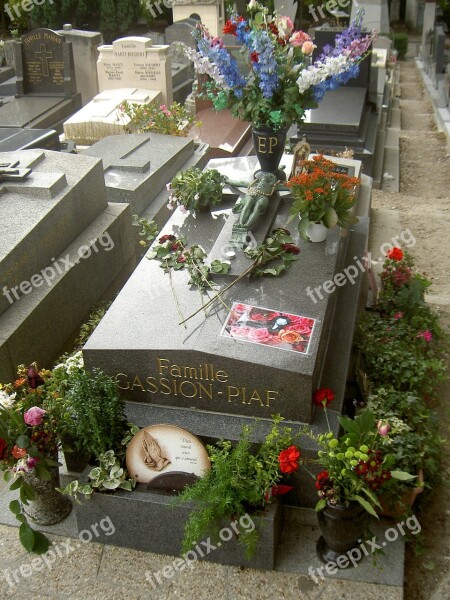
(317, 232)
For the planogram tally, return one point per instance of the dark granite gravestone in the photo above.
(27, 139)
(195, 367)
(45, 82)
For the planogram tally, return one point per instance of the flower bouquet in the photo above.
(280, 83)
(322, 196)
(356, 465)
(29, 452)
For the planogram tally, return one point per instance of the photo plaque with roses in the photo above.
(269, 327)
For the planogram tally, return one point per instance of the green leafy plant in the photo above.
(194, 189)
(108, 476)
(400, 41)
(275, 255)
(95, 412)
(321, 195)
(393, 351)
(148, 232)
(94, 319)
(411, 433)
(241, 479)
(151, 117)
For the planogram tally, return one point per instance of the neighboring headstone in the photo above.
(133, 70)
(61, 247)
(137, 167)
(46, 83)
(286, 8)
(85, 53)
(210, 12)
(375, 16)
(28, 139)
(44, 64)
(135, 62)
(103, 117)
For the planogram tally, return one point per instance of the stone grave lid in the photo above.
(17, 138)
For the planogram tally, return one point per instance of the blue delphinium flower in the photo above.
(266, 66)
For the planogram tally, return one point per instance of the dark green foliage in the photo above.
(97, 412)
(239, 481)
(400, 44)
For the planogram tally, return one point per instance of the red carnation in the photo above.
(291, 249)
(166, 238)
(323, 397)
(395, 253)
(254, 57)
(323, 481)
(288, 459)
(3, 448)
(231, 25)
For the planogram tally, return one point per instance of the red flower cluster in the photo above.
(323, 481)
(3, 448)
(372, 471)
(231, 26)
(395, 253)
(323, 397)
(288, 459)
(166, 238)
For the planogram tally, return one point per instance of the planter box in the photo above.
(147, 521)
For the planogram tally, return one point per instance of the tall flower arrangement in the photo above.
(281, 83)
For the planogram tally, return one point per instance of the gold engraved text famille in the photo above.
(204, 382)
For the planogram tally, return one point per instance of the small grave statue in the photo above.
(301, 154)
(254, 203)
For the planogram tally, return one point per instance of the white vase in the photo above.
(317, 232)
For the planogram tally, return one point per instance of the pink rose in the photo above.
(298, 38)
(34, 416)
(383, 428)
(240, 332)
(241, 308)
(260, 336)
(308, 48)
(285, 26)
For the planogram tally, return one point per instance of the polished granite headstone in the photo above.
(193, 367)
(15, 138)
(45, 82)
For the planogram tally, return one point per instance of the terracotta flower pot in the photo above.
(397, 509)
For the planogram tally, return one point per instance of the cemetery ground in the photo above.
(97, 571)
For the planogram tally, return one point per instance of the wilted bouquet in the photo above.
(281, 83)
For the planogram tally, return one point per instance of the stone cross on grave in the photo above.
(9, 171)
(43, 55)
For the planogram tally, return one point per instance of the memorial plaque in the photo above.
(43, 61)
(166, 451)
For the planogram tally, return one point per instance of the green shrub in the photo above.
(400, 41)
